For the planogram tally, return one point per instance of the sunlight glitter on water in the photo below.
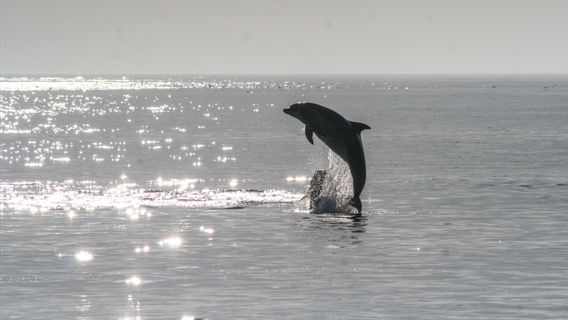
(206, 230)
(134, 213)
(144, 249)
(71, 214)
(172, 242)
(297, 179)
(83, 84)
(35, 106)
(180, 183)
(84, 256)
(37, 197)
(133, 281)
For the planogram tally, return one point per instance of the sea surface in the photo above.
(175, 198)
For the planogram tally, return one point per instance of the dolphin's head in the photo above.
(295, 111)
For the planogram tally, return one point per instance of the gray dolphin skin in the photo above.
(341, 135)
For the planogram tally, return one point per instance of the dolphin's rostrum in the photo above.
(341, 135)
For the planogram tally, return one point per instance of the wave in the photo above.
(44, 196)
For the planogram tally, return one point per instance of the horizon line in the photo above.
(341, 74)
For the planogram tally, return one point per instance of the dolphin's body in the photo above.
(342, 136)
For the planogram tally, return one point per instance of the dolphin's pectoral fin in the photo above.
(309, 134)
(358, 126)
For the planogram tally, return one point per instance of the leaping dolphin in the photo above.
(341, 135)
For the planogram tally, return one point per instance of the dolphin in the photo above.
(341, 135)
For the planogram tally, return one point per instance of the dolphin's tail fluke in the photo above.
(356, 203)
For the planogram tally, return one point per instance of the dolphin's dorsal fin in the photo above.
(358, 126)
(309, 134)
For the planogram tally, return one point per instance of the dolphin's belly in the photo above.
(336, 145)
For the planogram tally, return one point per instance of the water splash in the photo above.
(334, 191)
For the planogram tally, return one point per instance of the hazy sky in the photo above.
(264, 36)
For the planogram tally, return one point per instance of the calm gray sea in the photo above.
(173, 198)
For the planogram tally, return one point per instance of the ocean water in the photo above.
(174, 198)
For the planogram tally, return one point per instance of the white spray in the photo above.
(336, 189)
